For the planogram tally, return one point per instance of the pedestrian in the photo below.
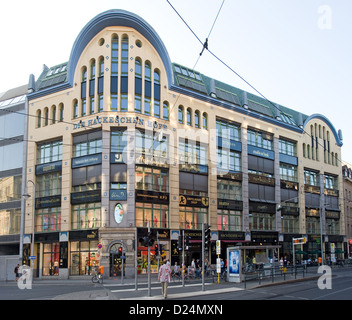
(16, 272)
(198, 267)
(176, 268)
(164, 277)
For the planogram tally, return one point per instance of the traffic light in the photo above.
(179, 244)
(207, 235)
(120, 251)
(156, 249)
(161, 250)
(188, 238)
(148, 240)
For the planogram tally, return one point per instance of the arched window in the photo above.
(84, 74)
(166, 110)
(114, 56)
(304, 150)
(205, 121)
(53, 114)
(180, 114)
(138, 86)
(196, 119)
(75, 109)
(124, 73)
(156, 93)
(61, 112)
(189, 116)
(46, 116)
(39, 118)
(147, 87)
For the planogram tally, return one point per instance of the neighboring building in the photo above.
(122, 139)
(12, 127)
(347, 187)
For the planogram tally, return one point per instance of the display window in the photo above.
(84, 257)
(51, 256)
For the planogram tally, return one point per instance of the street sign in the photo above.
(218, 265)
(32, 257)
(218, 247)
(299, 240)
(100, 246)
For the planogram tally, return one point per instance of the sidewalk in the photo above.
(113, 289)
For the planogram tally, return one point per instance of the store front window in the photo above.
(51, 257)
(84, 257)
(157, 214)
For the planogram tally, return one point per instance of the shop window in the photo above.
(84, 257)
(51, 258)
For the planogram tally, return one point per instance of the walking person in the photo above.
(164, 277)
(16, 272)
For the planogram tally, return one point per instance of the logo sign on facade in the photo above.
(118, 213)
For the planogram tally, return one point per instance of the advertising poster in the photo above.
(234, 262)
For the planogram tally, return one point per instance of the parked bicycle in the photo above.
(98, 277)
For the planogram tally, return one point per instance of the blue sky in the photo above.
(298, 53)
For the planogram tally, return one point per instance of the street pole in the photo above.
(149, 282)
(122, 258)
(135, 261)
(183, 258)
(203, 249)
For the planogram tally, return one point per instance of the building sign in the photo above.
(226, 204)
(86, 161)
(255, 178)
(118, 195)
(288, 185)
(118, 213)
(230, 175)
(331, 192)
(117, 157)
(229, 144)
(311, 189)
(152, 161)
(262, 207)
(260, 152)
(138, 121)
(192, 167)
(264, 236)
(312, 212)
(86, 197)
(48, 167)
(151, 196)
(193, 201)
(48, 202)
(332, 214)
(232, 236)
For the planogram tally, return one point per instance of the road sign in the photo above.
(100, 246)
(218, 265)
(218, 247)
(32, 257)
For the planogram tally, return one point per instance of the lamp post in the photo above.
(27, 196)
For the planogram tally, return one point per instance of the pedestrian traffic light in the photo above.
(156, 249)
(188, 245)
(207, 235)
(179, 244)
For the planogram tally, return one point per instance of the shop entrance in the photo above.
(116, 261)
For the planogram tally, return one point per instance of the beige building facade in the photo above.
(121, 139)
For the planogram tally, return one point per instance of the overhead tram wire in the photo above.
(205, 46)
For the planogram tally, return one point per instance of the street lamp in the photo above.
(27, 196)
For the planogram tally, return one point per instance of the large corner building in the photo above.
(121, 139)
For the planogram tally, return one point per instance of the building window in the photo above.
(51, 258)
(48, 184)
(180, 114)
(156, 94)
(86, 216)
(313, 225)
(228, 130)
(91, 105)
(152, 179)
(189, 117)
(229, 189)
(46, 116)
(75, 109)
(48, 219)
(115, 56)
(39, 118)
(193, 153)
(138, 86)
(261, 221)
(53, 114)
(61, 112)
(288, 172)
(260, 139)
(311, 178)
(290, 224)
(287, 147)
(83, 107)
(87, 147)
(165, 110)
(192, 217)
(196, 119)
(83, 257)
(229, 220)
(49, 152)
(205, 121)
(228, 160)
(154, 213)
(330, 182)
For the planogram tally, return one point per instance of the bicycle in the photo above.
(98, 277)
(176, 276)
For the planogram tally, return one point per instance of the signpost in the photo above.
(218, 260)
(296, 241)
